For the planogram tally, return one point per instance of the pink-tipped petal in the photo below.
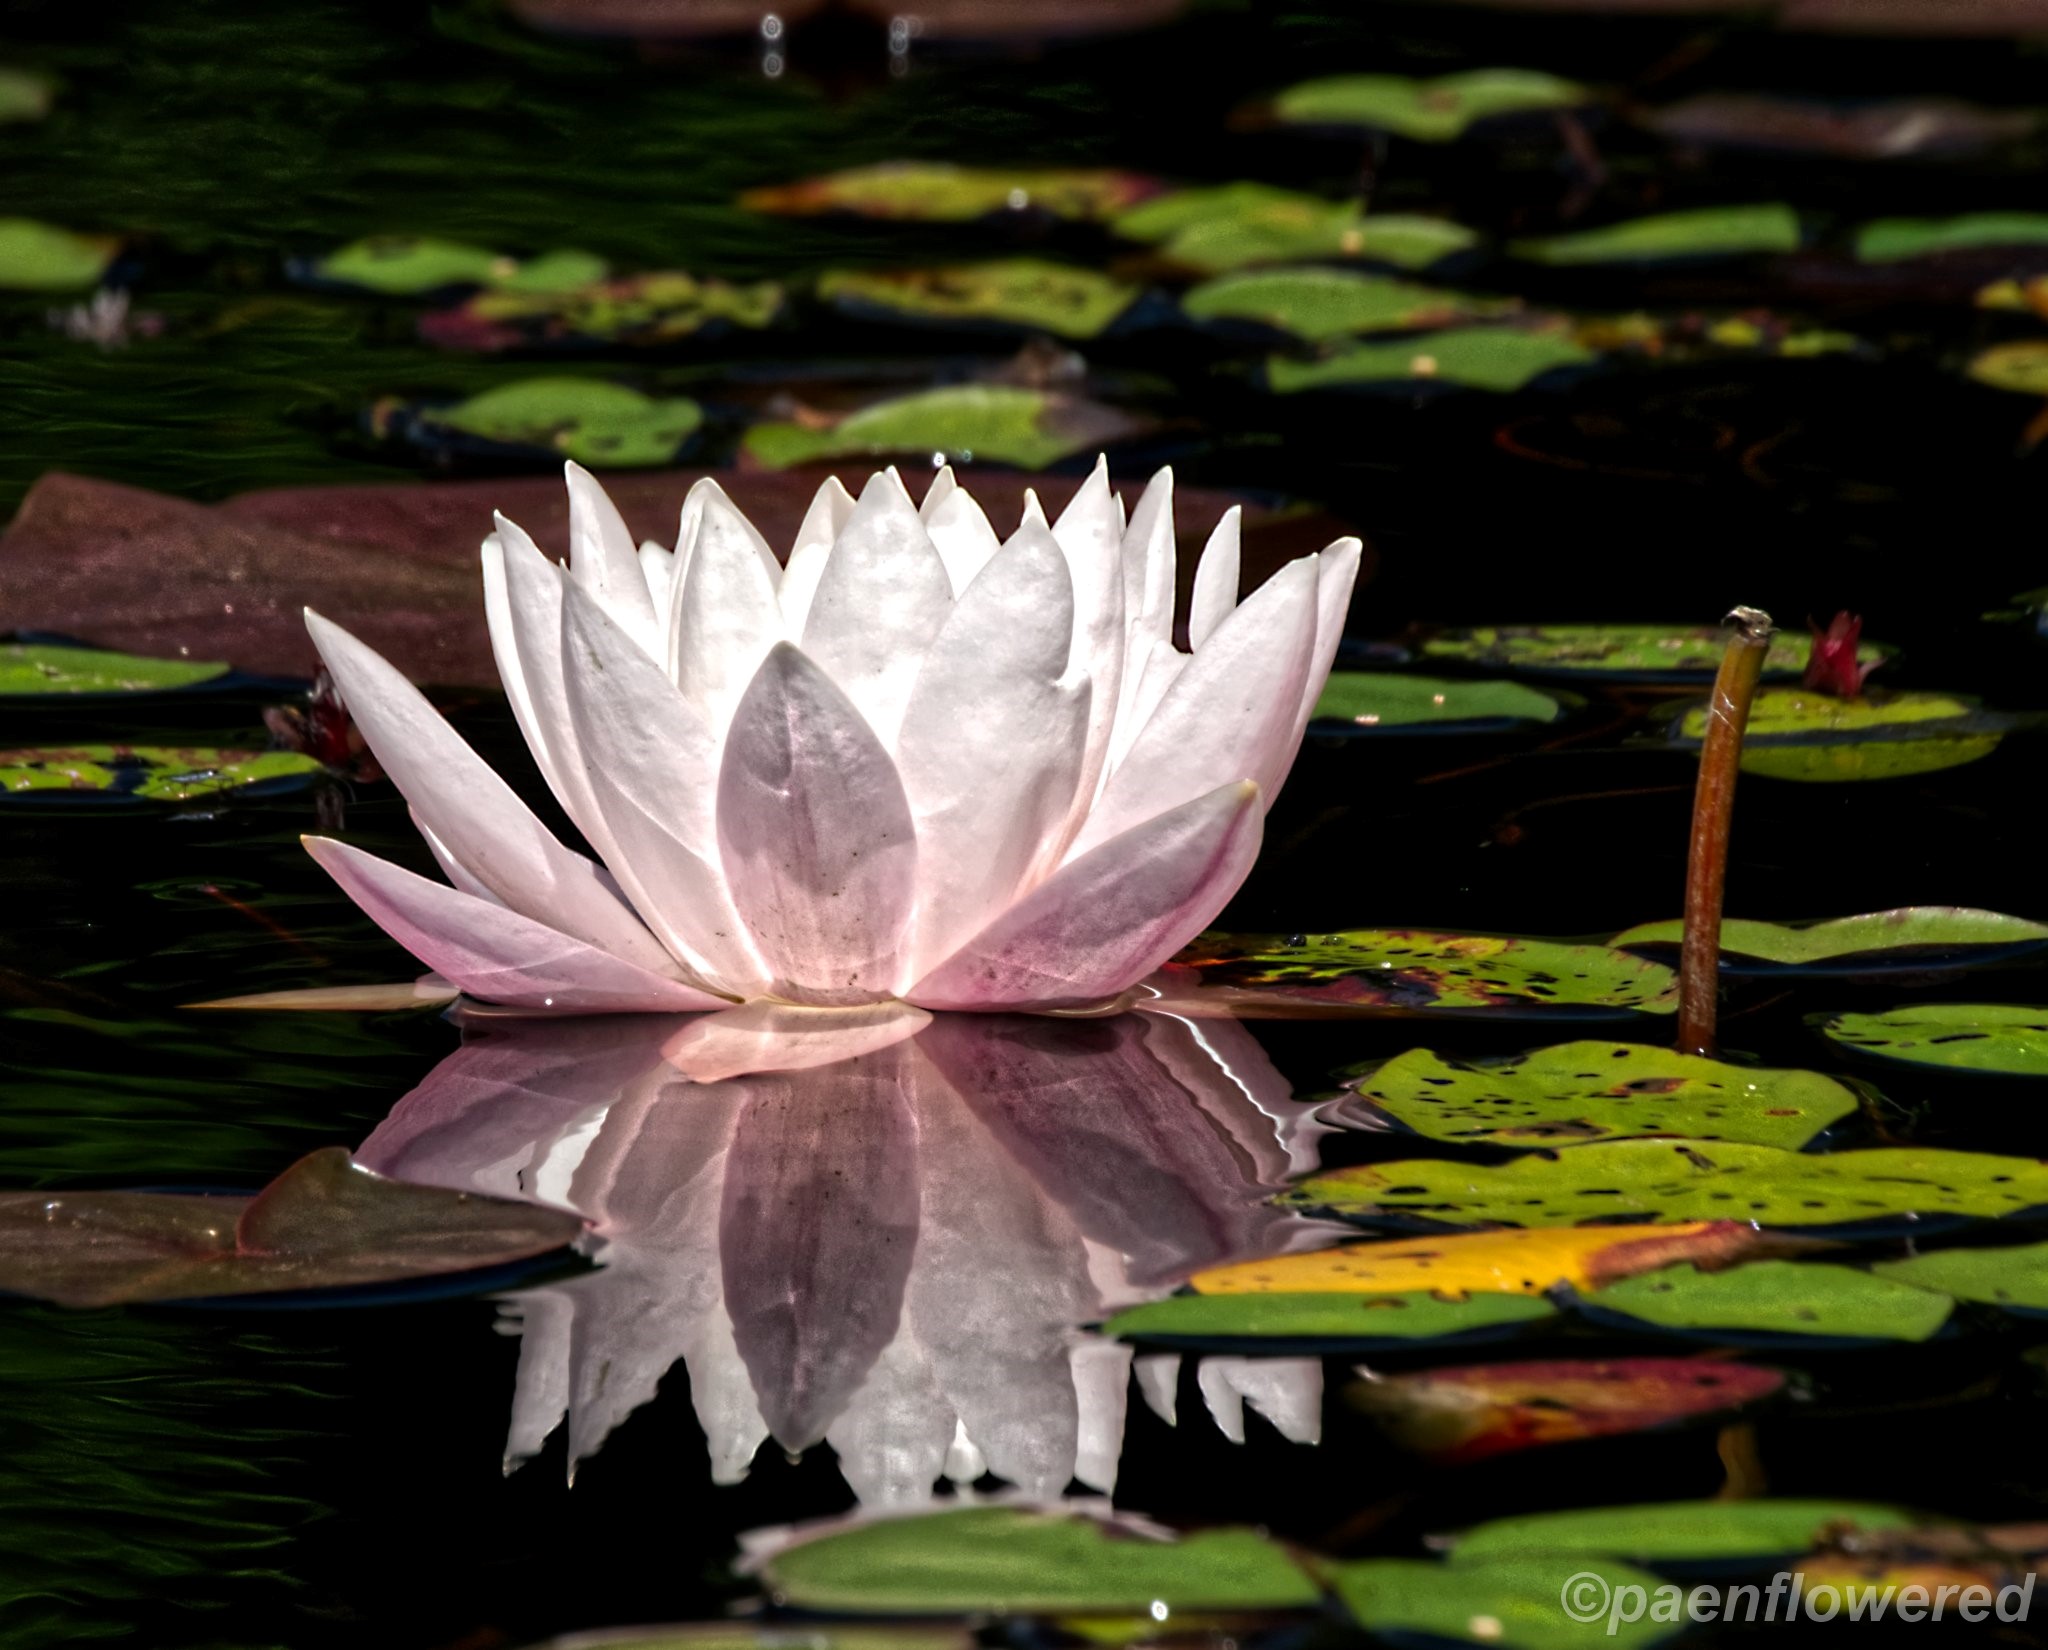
(1229, 714)
(881, 600)
(1336, 574)
(1216, 577)
(991, 744)
(727, 616)
(1109, 918)
(494, 953)
(831, 509)
(816, 837)
(471, 812)
(604, 561)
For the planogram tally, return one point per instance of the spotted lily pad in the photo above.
(1685, 1180)
(1027, 293)
(2007, 1038)
(323, 1223)
(2016, 1276)
(37, 670)
(1367, 701)
(1418, 971)
(1801, 734)
(1345, 1322)
(986, 423)
(1016, 1559)
(1321, 304)
(40, 257)
(638, 312)
(1232, 225)
(1578, 1092)
(1889, 239)
(1617, 652)
(1499, 359)
(1706, 232)
(1911, 937)
(1509, 1603)
(147, 773)
(1429, 111)
(1777, 1297)
(1676, 1531)
(939, 193)
(407, 265)
(25, 95)
(603, 425)
(1454, 1416)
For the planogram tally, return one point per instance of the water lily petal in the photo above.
(815, 836)
(1336, 574)
(1090, 531)
(1158, 1376)
(495, 953)
(471, 812)
(603, 560)
(1149, 554)
(1216, 578)
(1227, 716)
(1110, 917)
(658, 570)
(1287, 1391)
(991, 744)
(831, 508)
(764, 1036)
(882, 598)
(1102, 1388)
(726, 616)
(958, 529)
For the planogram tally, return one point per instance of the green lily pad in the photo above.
(1321, 304)
(1889, 239)
(1014, 1559)
(603, 425)
(2007, 1038)
(1684, 1180)
(1587, 1091)
(1801, 734)
(1231, 225)
(1675, 1531)
(746, 1635)
(1906, 938)
(1510, 1602)
(989, 423)
(937, 193)
(2015, 1276)
(40, 257)
(1500, 359)
(1341, 1320)
(1617, 651)
(1707, 232)
(1421, 972)
(145, 773)
(1778, 1297)
(1365, 700)
(2020, 367)
(25, 95)
(1012, 292)
(638, 312)
(1429, 111)
(34, 669)
(407, 265)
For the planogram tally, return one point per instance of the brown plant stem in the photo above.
(1713, 808)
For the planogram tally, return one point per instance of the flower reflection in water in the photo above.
(875, 1228)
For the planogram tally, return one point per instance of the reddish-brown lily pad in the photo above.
(322, 1224)
(1452, 1416)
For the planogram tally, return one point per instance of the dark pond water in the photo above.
(249, 1477)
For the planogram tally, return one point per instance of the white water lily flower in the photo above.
(918, 762)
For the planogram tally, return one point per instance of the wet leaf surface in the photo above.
(1677, 1531)
(1016, 1560)
(1777, 1297)
(1458, 1415)
(2015, 1276)
(1707, 232)
(1619, 652)
(1016, 293)
(1676, 1180)
(1498, 359)
(146, 773)
(938, 192)
(322, 1224)
(599, 424)
(1232, 225)
(639, 312)
(988, 423)
(2006, 1038)
(1368, 700)
(1429, 111)
(40, 257)
(1588, 1091)
(33, 669)
(1507, 1601)
(1321, 304)
(1910, 937)
(1415, 971)
(1324, 1318)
